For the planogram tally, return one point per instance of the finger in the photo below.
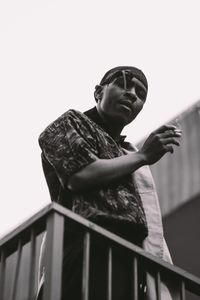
(178, 130)
(165, 128)
(169, 141)
(168, 149)
(171, 133)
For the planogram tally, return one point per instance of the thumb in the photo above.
(169, 149)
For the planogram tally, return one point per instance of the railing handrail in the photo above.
(190, 279)
(26, 224)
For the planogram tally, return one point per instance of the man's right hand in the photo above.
(159, 143)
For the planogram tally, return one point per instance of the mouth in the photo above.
(127, 105)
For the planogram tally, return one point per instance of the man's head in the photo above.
(121, 94)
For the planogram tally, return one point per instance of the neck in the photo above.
(114, 128)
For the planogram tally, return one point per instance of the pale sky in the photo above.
(53, 53)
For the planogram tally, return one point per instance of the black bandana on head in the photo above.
(133, 70)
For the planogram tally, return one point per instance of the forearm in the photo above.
(105, 171)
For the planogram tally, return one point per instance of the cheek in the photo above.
(139, 105)
(137, 108)
(110, 98)
(113, 93)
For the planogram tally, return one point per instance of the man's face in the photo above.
(123, 98)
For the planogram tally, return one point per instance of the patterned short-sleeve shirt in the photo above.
(74, 141)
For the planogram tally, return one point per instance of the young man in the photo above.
(93, 171)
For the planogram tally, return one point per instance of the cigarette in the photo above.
(177, 130)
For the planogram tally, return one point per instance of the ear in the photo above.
(98, 93)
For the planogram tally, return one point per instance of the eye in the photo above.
(141, 93)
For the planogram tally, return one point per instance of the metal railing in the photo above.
(53, 220)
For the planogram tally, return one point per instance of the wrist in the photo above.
(142, 158)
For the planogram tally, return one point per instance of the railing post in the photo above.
(53, 257)
(86, 266)
(16, 277)
(109, 273)
(32, 266)
(182, 290)
(135, 278)
(158, 286)
(2, 273)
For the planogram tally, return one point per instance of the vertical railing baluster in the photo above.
(158, 286)
(109, 273)
(32, 269)
(53, 257)
(86, 266)
(16, 276)
(135, 278)
(2, 274)
(182, 290)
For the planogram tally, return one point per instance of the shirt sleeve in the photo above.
(69, 145)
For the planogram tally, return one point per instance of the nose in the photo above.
(130, 95)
